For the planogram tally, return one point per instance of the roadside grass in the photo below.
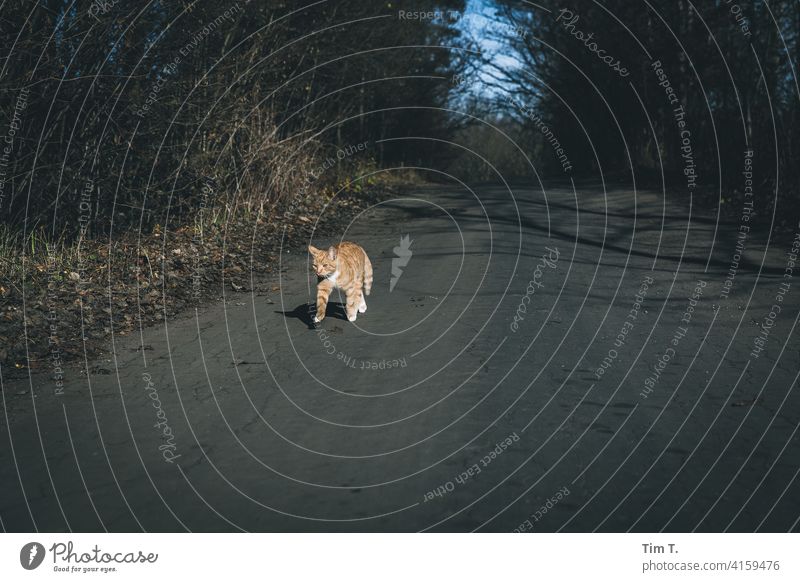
(62, 299)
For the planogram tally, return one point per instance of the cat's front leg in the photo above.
(353, 298)
(323, 292)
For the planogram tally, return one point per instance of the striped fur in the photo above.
(347, 267)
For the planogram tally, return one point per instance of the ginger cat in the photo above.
(347, 267)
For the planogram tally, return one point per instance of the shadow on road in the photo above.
(304, 312)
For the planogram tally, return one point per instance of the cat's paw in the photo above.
(317, 319)
(362, 308)
(351, 317)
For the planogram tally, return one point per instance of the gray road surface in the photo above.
(438, 410)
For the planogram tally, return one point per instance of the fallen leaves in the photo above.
(137, 282)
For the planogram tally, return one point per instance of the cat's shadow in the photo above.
(305, 313)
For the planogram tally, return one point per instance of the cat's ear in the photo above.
(332, 253)
(313, 250)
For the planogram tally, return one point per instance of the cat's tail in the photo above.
(367, 275)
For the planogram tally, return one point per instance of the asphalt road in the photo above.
(466, 398)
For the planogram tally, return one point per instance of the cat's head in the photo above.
(324, 261)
